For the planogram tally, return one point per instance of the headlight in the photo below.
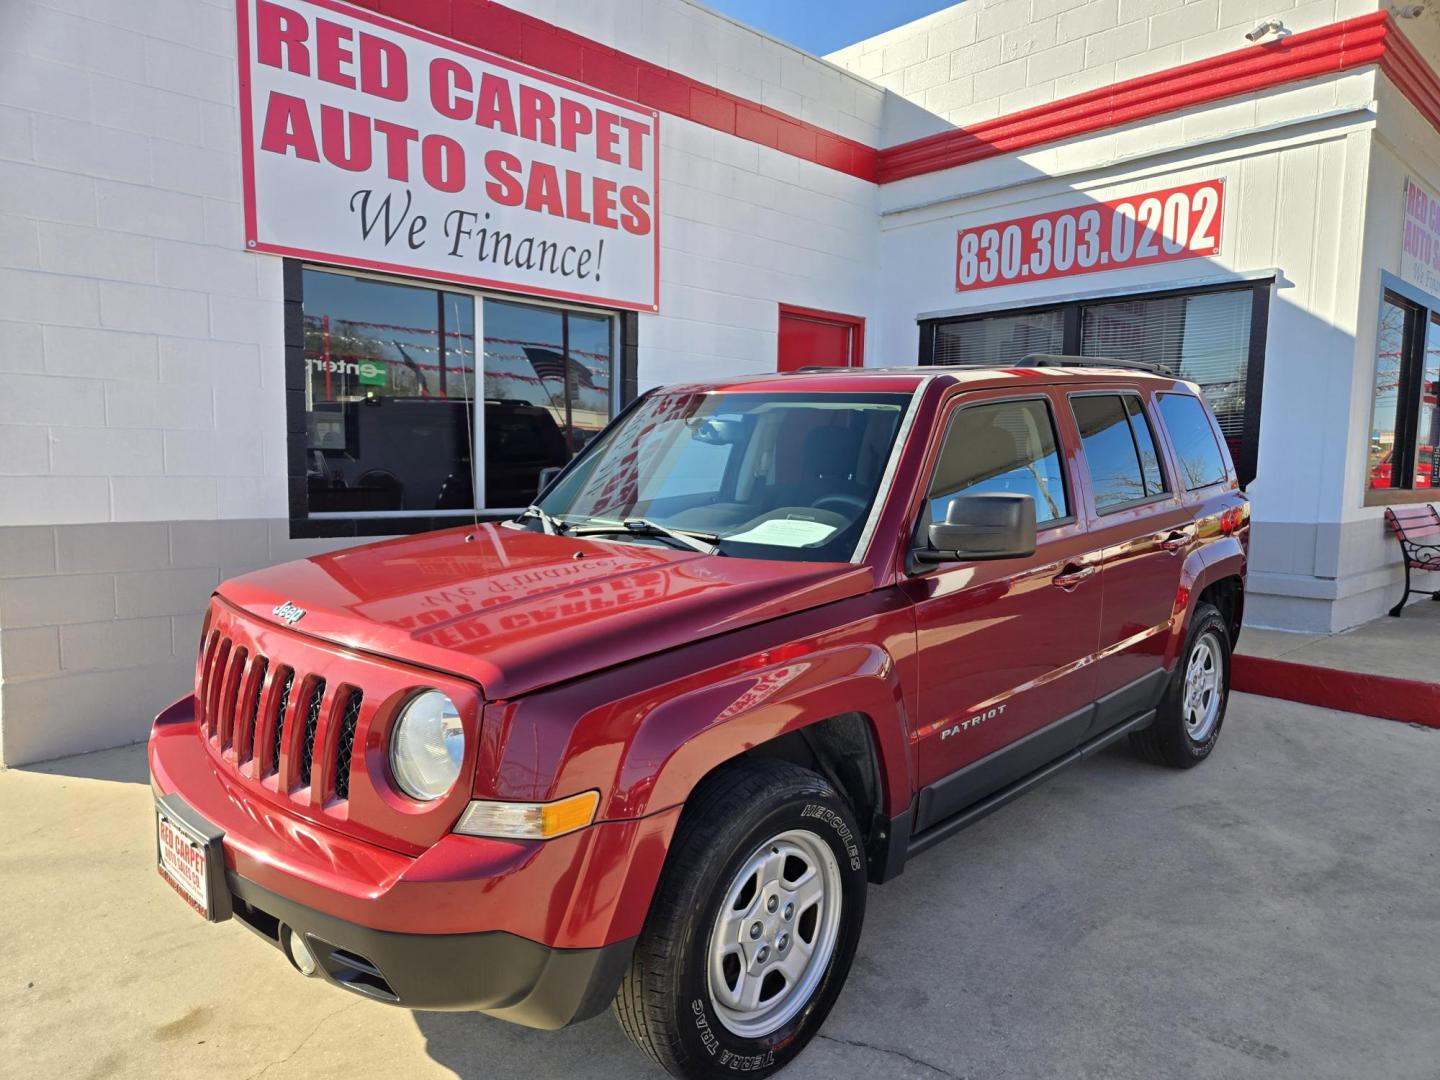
(529, 821)
(427, 746)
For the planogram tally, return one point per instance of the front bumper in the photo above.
(529, 931)
(503, 975)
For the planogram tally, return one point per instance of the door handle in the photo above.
(1072, 575)
(1174, 541)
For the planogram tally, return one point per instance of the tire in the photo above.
(1186, 728)
(718, 865)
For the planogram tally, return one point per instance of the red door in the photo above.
(1005, 647)
(1145, 530)
(809, 338)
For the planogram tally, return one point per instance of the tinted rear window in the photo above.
(1116, 474)
(1145, 444)
(1197, 453)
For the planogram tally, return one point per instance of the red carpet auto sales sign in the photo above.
(374, 144)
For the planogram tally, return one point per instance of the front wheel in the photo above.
(1187, 723)
(753, 927)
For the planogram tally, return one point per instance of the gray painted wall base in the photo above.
(99, 624)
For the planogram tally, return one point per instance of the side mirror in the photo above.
(547, 477)
(999, 526)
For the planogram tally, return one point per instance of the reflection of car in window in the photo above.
(393, 453)
(389, 453)
(1382, 475)
(520, 440)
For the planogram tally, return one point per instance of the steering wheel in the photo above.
(852, 503)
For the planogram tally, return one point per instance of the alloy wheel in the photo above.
(1204, 687)
(775, 933)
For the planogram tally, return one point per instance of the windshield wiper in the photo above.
(705, 543)
(548, 523)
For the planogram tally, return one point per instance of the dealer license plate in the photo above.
(183, 860)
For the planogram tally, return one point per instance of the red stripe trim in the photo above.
(1412, 76)
(518, 36)
(1324, 51)
(1327, 50)
(1407, 700)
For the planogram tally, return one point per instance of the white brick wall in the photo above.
(119, 212)
(142, 417)
(121, 242)
(1008, 55)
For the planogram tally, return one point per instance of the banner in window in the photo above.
(1420, 247)
(374, 144)
(1138, 230)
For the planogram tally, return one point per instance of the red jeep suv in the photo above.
(757, 645)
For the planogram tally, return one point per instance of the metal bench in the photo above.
(1417, 528)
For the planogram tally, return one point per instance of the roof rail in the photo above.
(1044, 360)
(816, 369)
(1059, 360)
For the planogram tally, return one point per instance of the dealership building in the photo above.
(280, 275)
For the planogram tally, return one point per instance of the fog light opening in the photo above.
(299, 952)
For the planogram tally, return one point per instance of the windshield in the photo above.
(758, 475)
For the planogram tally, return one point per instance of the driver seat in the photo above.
(828, 456)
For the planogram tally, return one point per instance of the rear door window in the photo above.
(1005, 447)
(1119, 449)
(1150, 468)
(1197, 453)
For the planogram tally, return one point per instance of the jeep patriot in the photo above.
(648, 743)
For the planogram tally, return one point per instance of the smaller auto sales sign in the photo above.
(373, 144)
(1420, 251)
(1161, 226)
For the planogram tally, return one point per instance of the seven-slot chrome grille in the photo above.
(235, 718)
(305, 723)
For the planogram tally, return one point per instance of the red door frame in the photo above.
(855, 324)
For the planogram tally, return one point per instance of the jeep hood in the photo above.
(516, 610)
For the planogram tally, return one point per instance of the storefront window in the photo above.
(589, 349)
(1203, 338)
(1427, 449)
(393, 407)
(390, 374)
(1213, 337)
(547, 392)
(1404, 447)
(1000, 339)
(1395, 317)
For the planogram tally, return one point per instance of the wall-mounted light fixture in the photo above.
(1269, 26)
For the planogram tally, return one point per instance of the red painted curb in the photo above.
(1407, 700)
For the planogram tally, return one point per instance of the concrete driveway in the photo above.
(1275, 913)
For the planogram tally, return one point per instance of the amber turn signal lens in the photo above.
(529, 821)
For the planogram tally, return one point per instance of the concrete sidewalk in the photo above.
(1388, 667)
(1407, 647)
(1274, 913)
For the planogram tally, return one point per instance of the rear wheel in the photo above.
(753, 927)
(1187, 723)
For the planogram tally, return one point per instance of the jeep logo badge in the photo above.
(288, 613)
